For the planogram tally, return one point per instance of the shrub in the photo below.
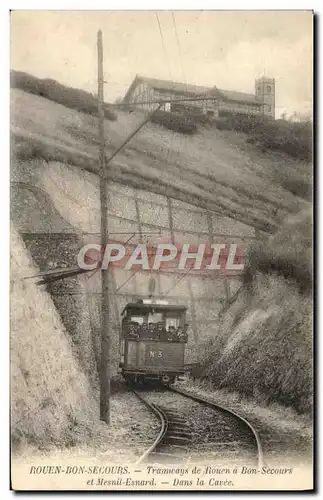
(223, 124)
(294, 139)
(193, 113)
(174, 121)
(287, 253)
(263, 348)
(54, 91)
(298, 185)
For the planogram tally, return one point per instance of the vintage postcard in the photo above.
(161, 250)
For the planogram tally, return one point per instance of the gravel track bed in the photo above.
(215, 435)
(286, 437)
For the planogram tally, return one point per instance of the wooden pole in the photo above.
(105, 363)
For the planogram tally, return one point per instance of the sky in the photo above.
(228, 49)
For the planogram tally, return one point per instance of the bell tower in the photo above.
(265, 92)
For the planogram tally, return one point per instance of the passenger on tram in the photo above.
(171, 333)
(153, 334)
(180, 334)
(133, 330)
(160, 331)
(144, 333)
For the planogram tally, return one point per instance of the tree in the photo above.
(298, 116)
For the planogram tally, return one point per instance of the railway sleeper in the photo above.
(179, 421)
(180, 433)
(173, 414)
(180, 427)
(171, 439)
(174, 431)
(223, 444)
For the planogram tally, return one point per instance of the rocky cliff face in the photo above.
(51, 398)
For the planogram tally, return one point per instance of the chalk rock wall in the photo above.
(56, 208)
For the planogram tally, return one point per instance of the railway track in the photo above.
(192, 428)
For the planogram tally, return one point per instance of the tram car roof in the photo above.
(146, 307)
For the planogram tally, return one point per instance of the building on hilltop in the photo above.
(209, 100)
(265, 91)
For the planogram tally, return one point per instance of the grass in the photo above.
(287, 253)
(56, 92)
(177, 122)
(294, 139)
(272, 136)
(264, 345)
(201, 169)
(286, 436)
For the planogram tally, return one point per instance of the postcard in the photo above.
(161, 250)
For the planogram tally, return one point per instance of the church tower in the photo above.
(265, 92)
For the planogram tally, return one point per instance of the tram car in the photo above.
(153, 339)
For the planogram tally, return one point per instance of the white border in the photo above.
(4, 184)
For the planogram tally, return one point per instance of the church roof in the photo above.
(233, 95)
(190, 90)
(177, 87)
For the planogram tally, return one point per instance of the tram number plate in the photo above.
(152, 354)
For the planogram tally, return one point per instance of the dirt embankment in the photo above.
(51, 401)
(264, 347)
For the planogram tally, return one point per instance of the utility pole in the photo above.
(105, 363)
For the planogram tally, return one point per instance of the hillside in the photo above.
(205, 170)
(264, 343)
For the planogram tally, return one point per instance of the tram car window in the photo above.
(153, 339)
(137, 319)
(154, 317)
(172, 321)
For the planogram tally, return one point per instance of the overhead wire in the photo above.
(179, 49)
(163, 44)
(180, 279)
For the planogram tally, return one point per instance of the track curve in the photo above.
(163, 429)
(227, 410)
(177, 440)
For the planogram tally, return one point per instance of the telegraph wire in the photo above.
(179, 49)
(180, 279)
(128, 279)
(163, 44)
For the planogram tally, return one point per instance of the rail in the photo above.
(211, 404)
(165, 419)
(164, 425)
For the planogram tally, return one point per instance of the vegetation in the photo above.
(264, 346)
(67, 96)
(288, 254)
(194, 113)
(292, 138)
